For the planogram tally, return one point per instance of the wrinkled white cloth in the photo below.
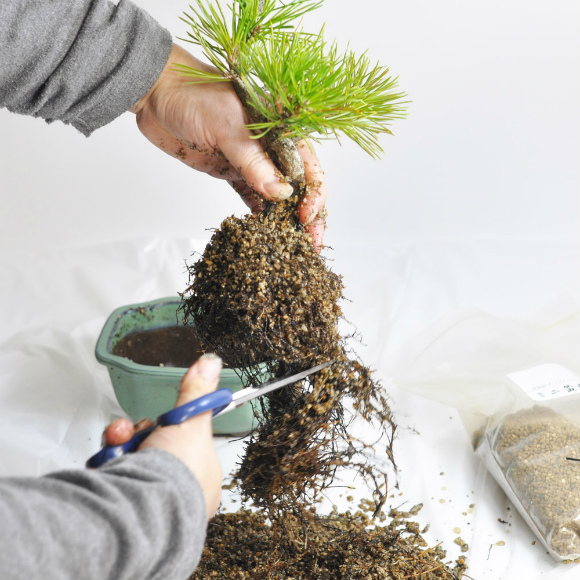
(55, 398)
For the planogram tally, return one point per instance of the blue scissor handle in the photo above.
(113, 451)
(216, 401)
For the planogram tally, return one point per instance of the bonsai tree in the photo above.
(260, 295)
(292, 83)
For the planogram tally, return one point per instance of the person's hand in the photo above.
(203, 125)
(311, 211)
(191, 441)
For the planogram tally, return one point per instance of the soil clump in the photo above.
(340, 546)
(265, 301)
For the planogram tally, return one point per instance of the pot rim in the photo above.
(105, 357)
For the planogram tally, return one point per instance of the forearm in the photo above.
(143, 516)
(83, 62)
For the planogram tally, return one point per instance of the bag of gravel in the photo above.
(531, 453)
(517, 389)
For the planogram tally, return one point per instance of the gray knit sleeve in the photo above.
(83, 62)
(142, 516)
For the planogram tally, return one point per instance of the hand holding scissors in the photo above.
(220, 401)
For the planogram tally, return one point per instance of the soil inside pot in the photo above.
(173, 346)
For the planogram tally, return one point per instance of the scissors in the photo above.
(220, 401)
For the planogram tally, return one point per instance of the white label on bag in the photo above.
(548, 381)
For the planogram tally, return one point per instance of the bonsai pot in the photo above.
(148, 390)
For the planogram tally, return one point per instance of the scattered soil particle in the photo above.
(462, 543)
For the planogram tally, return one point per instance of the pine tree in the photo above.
(293, 84)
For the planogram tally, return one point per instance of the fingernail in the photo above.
(209, 366)
(279, 191)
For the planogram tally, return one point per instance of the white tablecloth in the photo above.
(56, 399)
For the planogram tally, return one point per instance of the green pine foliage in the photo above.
(297, 85)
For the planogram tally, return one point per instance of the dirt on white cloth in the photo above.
(55, 399)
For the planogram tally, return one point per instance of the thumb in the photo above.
(257, 168)
(201, 378)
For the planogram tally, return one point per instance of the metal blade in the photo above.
(249, 393)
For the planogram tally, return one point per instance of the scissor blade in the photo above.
(250, 393)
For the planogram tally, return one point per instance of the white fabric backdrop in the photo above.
(475, 203)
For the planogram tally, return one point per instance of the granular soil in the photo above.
(339, 546)
(173, 346)
(531, 447)
(268, 304)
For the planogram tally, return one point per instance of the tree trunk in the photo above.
(282, 150)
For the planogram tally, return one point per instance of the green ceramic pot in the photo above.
(148, 391)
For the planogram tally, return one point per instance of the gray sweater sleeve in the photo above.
(140, 517)
(83, 62)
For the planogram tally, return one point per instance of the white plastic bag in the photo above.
(517, 388)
